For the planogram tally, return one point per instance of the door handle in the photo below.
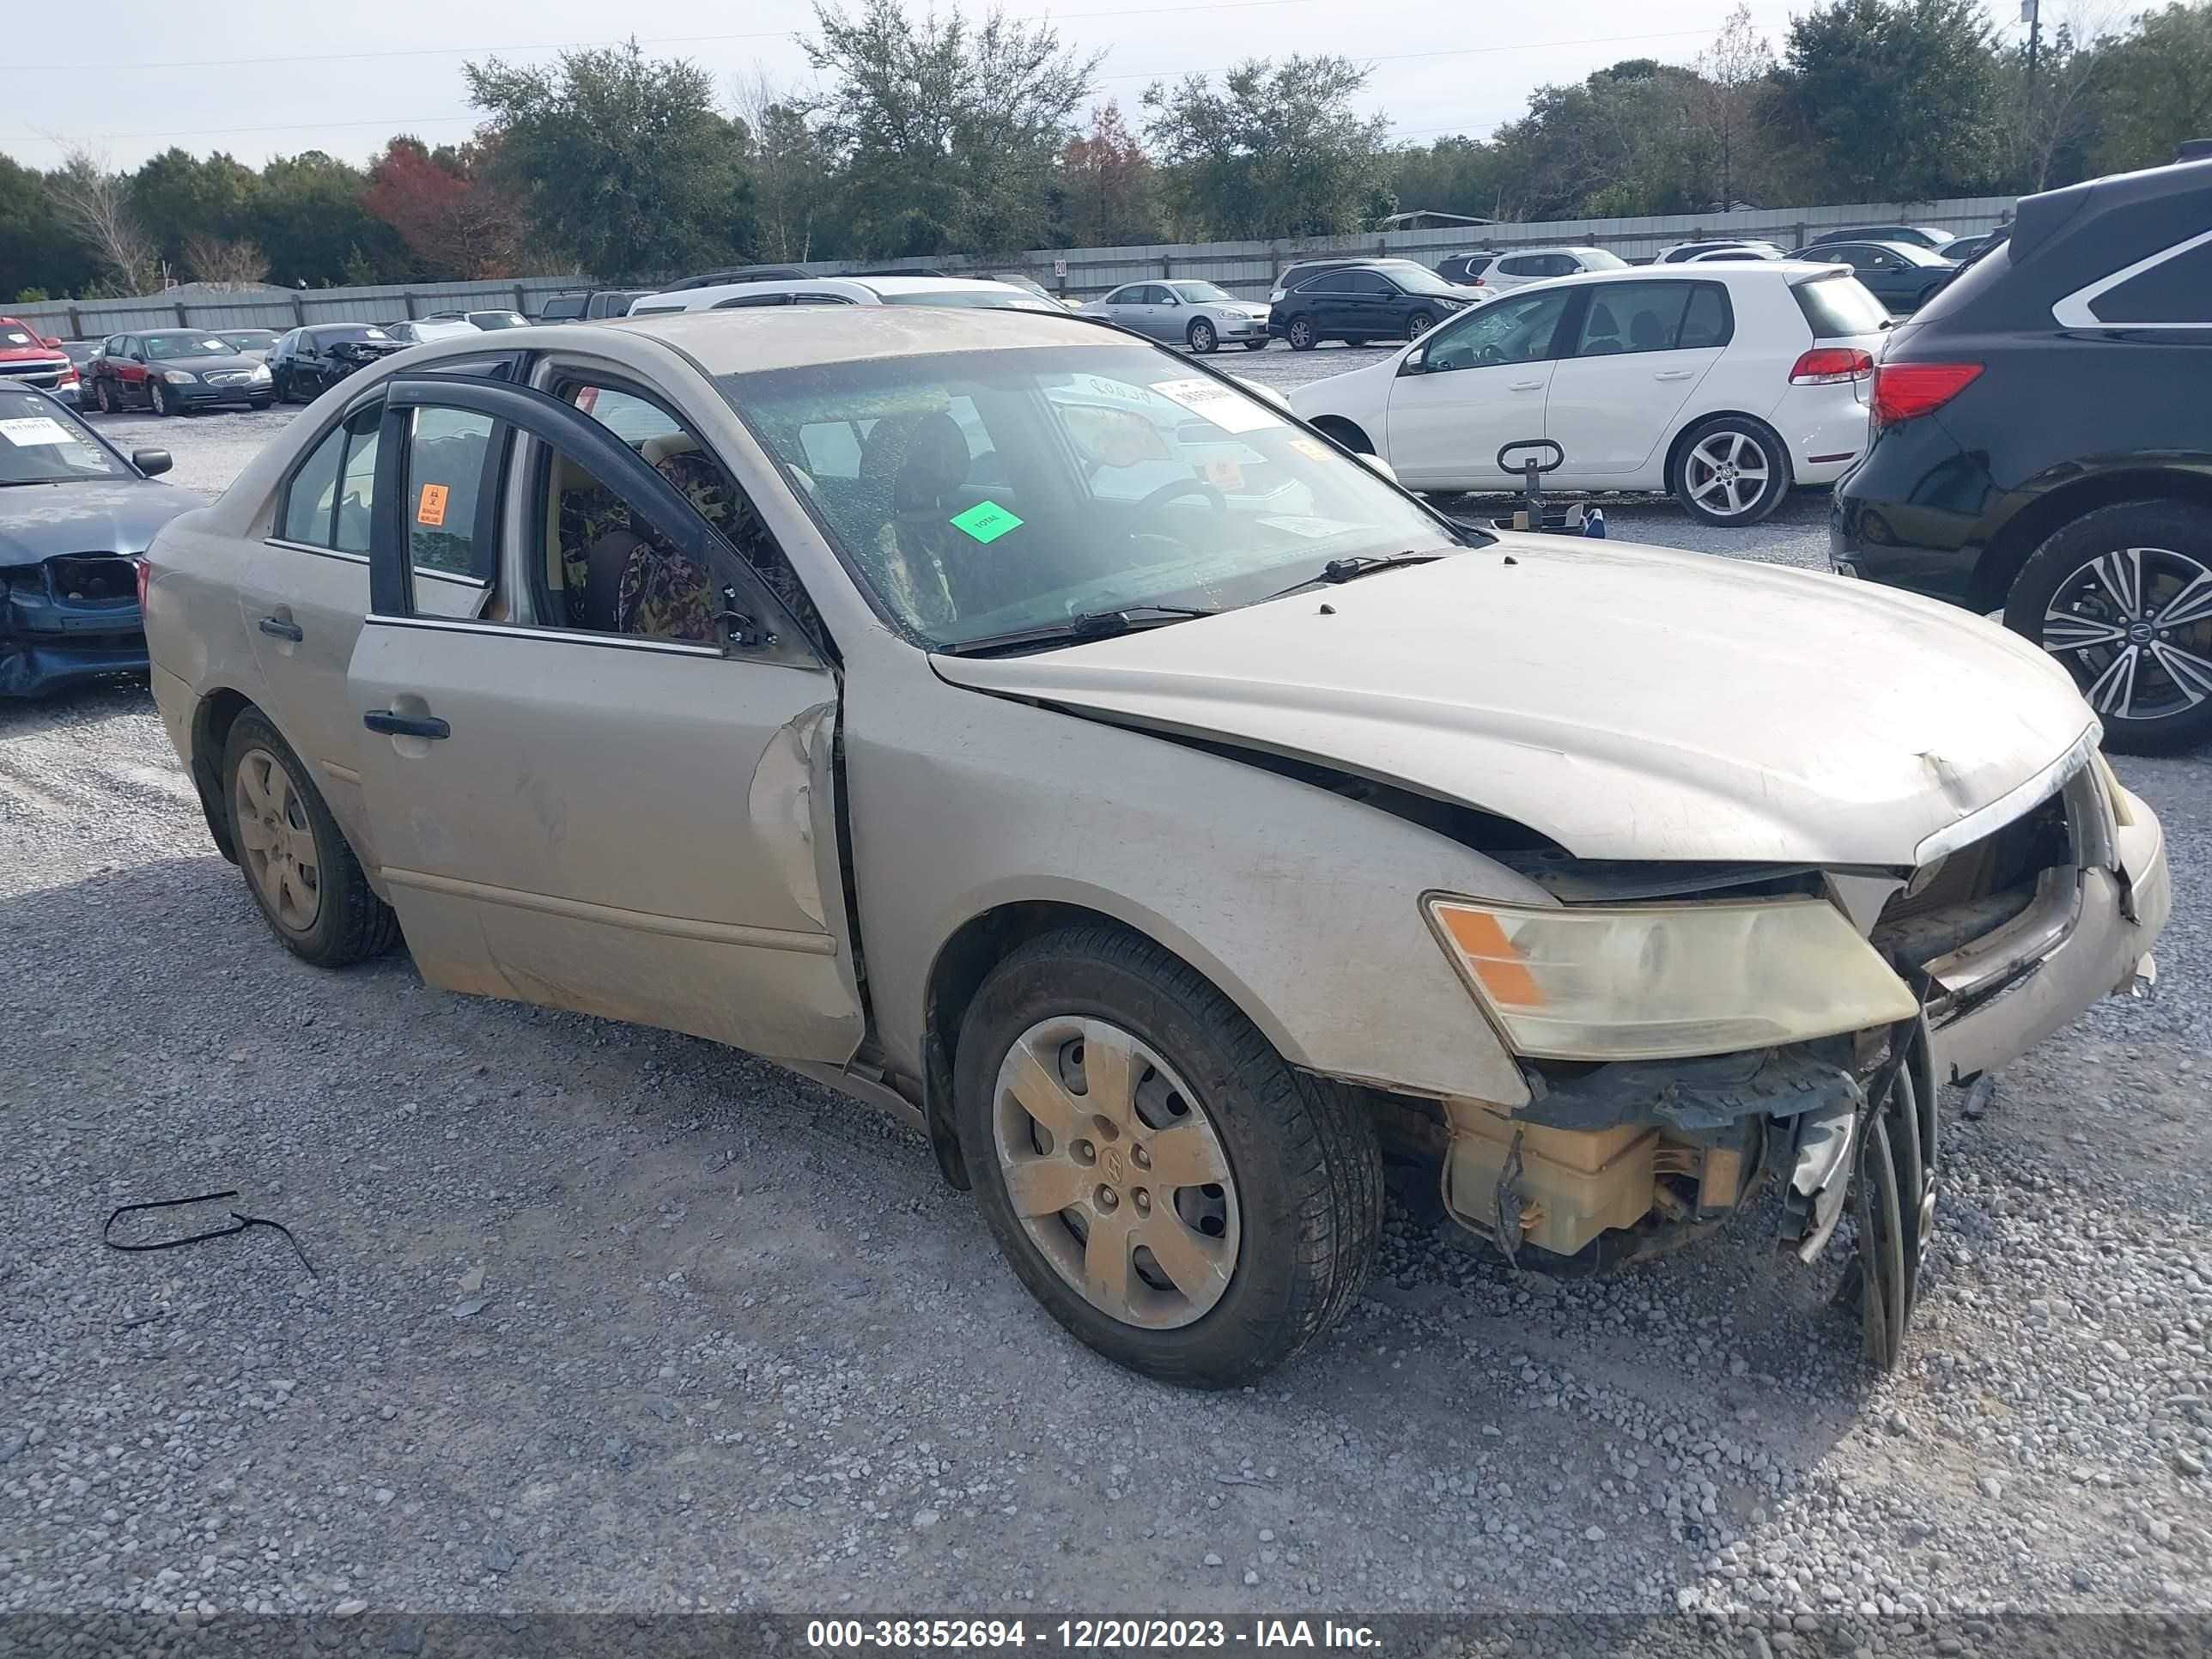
(278, 628)
(1526, 386)
(405, 726)
(1672, 375)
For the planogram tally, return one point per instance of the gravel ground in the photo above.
(607, 1318)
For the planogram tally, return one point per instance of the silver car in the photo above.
(1019, 727)
(1200, 315)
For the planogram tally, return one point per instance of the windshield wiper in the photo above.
(1346, 570)
(24, 484)
(1086, 625)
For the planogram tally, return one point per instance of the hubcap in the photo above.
(277, 841)
(1115, 1172)
(2133, 627)
(1727, 473)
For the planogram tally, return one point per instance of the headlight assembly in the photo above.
(178, 376)
(1667, 981)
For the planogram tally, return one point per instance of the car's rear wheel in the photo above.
(1201, 336)
(1301, 334)
(1730, 471)
(2122, 596)
(1418, 324)
(102, 399)
(298, 866)
(1176, 1195)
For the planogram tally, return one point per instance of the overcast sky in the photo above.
(265, 78)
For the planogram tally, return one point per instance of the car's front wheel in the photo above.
(1730, 471)
(2122, 596)
(157, 398)
(298, 866)
(1201, 336)
(1418, 324)
(1301, 334)
(1176, 1195)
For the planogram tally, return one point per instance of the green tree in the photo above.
(1277, 151)
(948, 129)
(37, 251)
(793, 172)
(307, 217)
(1458, 174)
(1631, 138)
(176, 196)
(1859, 87)
(621, 161)
(2155, 87)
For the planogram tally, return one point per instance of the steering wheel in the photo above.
(1176, 488)
(1491, 354)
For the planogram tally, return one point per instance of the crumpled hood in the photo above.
(112, 515)
(1628, 701)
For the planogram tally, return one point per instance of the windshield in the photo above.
(498, 319)
(1204, 294)
(980, 493)
(366, 332)
(1916, 255)
(1417, 279)
(1596, 258)
(41, 442)
(973, 298)
(252, 339)
(1027, 285)
(161, 347)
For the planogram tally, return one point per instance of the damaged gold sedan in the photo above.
(1033, 733)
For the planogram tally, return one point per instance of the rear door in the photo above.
(1638, 352)
(1477, 383)
(614, 816)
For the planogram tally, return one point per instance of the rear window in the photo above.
(1836, 306)
(1962, 289)
(2176, 290)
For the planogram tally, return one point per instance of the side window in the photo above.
(1367, 283)
(1626, 317)
(446, 451)
(2177, 290)
(1509, 331)
(1520, 265)
(608, 570)
(1706, 321)
(747, 301)
(1334, 281)
(328, 501)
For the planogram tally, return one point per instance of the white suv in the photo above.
(1540, 264)
(1725, 384)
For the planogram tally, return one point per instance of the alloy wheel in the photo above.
(157, 398)
(1301, 335)
(1115, 1173)
(1201, 336)
(2135, 627)
(1727, 473)
(1418, 325)
(276, 841)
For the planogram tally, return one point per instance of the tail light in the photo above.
(1831, 366)
(1902, 391)
(145, 573)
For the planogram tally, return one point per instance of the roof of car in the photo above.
(793, 336)
(706, 298)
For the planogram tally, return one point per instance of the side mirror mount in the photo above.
(1415, 362)
(1381, 468)
(151, 462)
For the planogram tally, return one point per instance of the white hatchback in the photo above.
(1724, 387)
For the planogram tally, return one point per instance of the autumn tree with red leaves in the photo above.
(447, 210)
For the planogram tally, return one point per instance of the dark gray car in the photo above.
(74, 514)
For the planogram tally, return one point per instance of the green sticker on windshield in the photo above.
(986, 521)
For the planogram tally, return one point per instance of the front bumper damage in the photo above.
(2003, 939)
(68, 618)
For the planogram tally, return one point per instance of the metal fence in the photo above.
(1246, 267)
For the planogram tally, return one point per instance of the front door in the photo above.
(1640, 350)
(1475, 384)
(620, 800)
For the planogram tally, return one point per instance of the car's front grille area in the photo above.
(230, 377)
(92, 576)
(45, 376)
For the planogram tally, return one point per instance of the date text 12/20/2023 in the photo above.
(1083, 1635)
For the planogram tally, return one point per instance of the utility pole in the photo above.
(2030, 14)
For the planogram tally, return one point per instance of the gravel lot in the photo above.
(606, 1318)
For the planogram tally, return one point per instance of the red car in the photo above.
(29, 358)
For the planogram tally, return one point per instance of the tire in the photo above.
(327, 915)
(2145, 666)
(1712, 474)
(1301, 335)
(1418, 324)
(102, 399)
(257, 404)
(1201, 338)
(1294, 1222)
(1255, 345)
(157, 398)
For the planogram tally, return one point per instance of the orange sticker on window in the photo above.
(1310, 449)
(1225, 475)
(431, 509)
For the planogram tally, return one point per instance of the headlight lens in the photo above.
(178, 376)
(260, 371)
(1667, 980)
